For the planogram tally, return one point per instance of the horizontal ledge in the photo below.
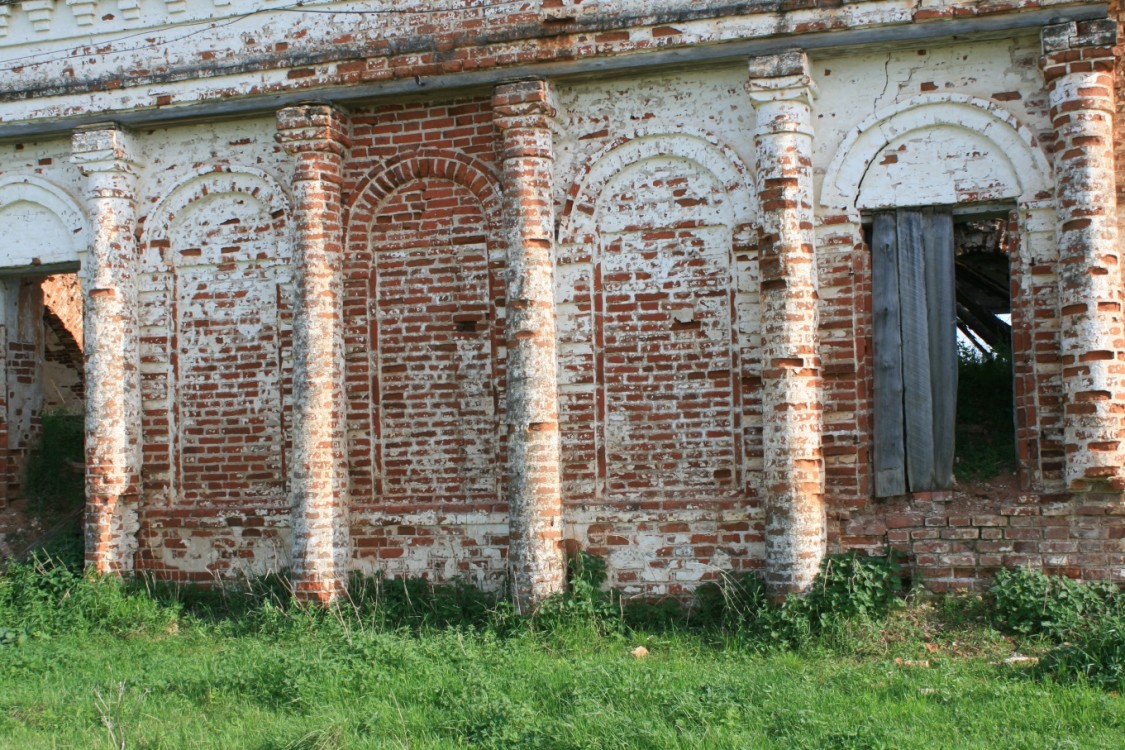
(634, 62)
(39, 269)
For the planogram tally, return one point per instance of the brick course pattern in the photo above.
(450, 300)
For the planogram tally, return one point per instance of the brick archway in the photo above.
(385, 179)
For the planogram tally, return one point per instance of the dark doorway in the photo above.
(42, 405)
(986, 431)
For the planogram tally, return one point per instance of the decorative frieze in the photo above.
(130, 9)
(83, 10)
(40, 13)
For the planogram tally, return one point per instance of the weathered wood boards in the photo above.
(915, 350)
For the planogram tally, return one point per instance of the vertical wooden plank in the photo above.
(941, 302)
(890, 460)
(917, 393)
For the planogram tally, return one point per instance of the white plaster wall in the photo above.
(169, 155)
(34, 235)
(48, 159)
(946, 165)
(40, 204)
(596, 116)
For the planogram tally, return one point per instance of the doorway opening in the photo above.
(942, 345)
(42, 406)
(986, 428)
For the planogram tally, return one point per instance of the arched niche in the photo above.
(656, 302)
(41, 223)
(423, 296)
(216, 314)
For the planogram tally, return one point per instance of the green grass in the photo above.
(140, 672)
(450, 689)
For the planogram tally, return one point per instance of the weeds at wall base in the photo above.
(1078, 628)
(1081, 623)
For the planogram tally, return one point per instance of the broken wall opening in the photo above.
(986, 427)
(41, 370)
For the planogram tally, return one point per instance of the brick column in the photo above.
(523, 111)
(113, 395)
(1078, 66)
(315, 135)
(781, 91)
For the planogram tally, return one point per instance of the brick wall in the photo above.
(664, 364)
(424, 325)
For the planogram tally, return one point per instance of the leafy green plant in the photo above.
(12, 637)
(45, 597)
(735, 601)
(585, 601)
(1085, 622)
(854, 585)
(850, 586)
(1029, 602)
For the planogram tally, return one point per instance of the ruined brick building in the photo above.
(444, 288)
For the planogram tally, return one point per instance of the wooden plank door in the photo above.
(915, 350)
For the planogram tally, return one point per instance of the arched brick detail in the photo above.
(578, 218)
(381, 182)
(210, 180)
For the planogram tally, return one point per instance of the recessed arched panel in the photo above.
(431, 317)
(422, 284)
(216, 307)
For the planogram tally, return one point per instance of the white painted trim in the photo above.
(57, 200)
(1014, 141)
